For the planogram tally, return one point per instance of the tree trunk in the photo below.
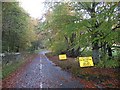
(104, 49)
(95, 53)
(109, 52)
(77, 52)
(95, 46)
(72, 38)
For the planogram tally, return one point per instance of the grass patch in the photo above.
(109, 64)
(71, 64)
(95, 74)
(8, 69)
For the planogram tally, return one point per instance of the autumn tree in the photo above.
(17, 29)
(76, 26)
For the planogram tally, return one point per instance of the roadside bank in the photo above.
(90, 76)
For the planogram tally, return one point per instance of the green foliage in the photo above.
(76, 26)
(87, 52)
(58, 47)
(109, 63)
(116, 53)
(17, 33)
(8, 69)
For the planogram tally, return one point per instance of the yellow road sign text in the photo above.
(86, 61)
(62, 57)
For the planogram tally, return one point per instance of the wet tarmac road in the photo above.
(42, 73)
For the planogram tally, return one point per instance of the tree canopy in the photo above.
(17, 28)
(78, 26)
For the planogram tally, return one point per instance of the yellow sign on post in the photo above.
(86, 61)
(63, 57)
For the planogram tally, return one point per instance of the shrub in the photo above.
(109, 63)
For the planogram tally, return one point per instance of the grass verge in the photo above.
(10, 68)
(7, 70)
(107, 77)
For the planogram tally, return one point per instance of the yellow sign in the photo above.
(62, 57)
(85, 61)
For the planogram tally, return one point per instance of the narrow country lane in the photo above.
(42, 73)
